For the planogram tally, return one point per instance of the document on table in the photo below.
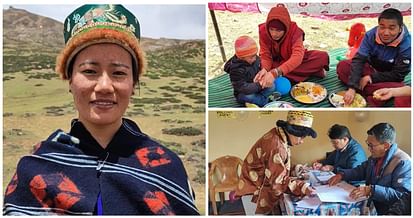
(309, 202)
(321, 176)
(337, 193)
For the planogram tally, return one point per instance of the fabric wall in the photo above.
(324, 10)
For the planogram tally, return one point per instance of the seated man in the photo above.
(382, 61)
(348, 153)
(387, 173)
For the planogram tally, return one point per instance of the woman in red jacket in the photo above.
(282, 51)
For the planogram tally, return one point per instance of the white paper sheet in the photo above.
(324, 178)
(309, 202)
(248, 205)
(337, 193)
(321, 176)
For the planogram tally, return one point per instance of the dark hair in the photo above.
(338, 132)
(298, 131)
(383, 132)
(391, 14)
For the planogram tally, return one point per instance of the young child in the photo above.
(243, 67)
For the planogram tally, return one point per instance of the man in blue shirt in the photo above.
(348, 152)
(387, 173)
(382, 61)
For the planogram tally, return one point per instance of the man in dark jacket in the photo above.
(387, 173)
(243, 67)
(382, 61)
(348, 153)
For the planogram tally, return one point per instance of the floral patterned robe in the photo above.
(265, 172)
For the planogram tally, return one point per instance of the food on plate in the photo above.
(308, 92)
(304, 98)
(337, 99)
(317, 90)
(300, 90)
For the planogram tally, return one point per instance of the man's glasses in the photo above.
(371, 145)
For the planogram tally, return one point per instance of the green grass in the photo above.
(36, 102)
(22, 95)
(183, 131)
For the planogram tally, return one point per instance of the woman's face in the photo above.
(388, 30)
(295, 140)
(275, 33)
(102, 83)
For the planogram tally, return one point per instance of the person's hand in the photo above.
(335, 179)
(364, 81)
(267, 80)
(327, 168)
(383, 94)
(361, 191)
(316, 166)
(233, 197)
(259, 75)
(349, 96)
(310, 191)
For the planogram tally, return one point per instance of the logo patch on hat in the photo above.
(101, 16)
(94, 24)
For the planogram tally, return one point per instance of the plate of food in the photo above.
(308, 92)
(278, 104)
(337, 100)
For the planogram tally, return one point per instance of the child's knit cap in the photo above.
(245, 46)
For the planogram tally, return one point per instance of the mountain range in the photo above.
(36, 40)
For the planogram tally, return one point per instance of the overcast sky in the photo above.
(167, 21)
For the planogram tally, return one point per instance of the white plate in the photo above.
(278, 104)
(308, 92)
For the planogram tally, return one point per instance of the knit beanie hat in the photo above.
(94, 24)
(245, 46)
(277, 24)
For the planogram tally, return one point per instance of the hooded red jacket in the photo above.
(288, 53)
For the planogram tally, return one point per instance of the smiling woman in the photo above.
(105, 164)
(102, 85)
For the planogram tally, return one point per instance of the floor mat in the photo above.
(220, 91)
